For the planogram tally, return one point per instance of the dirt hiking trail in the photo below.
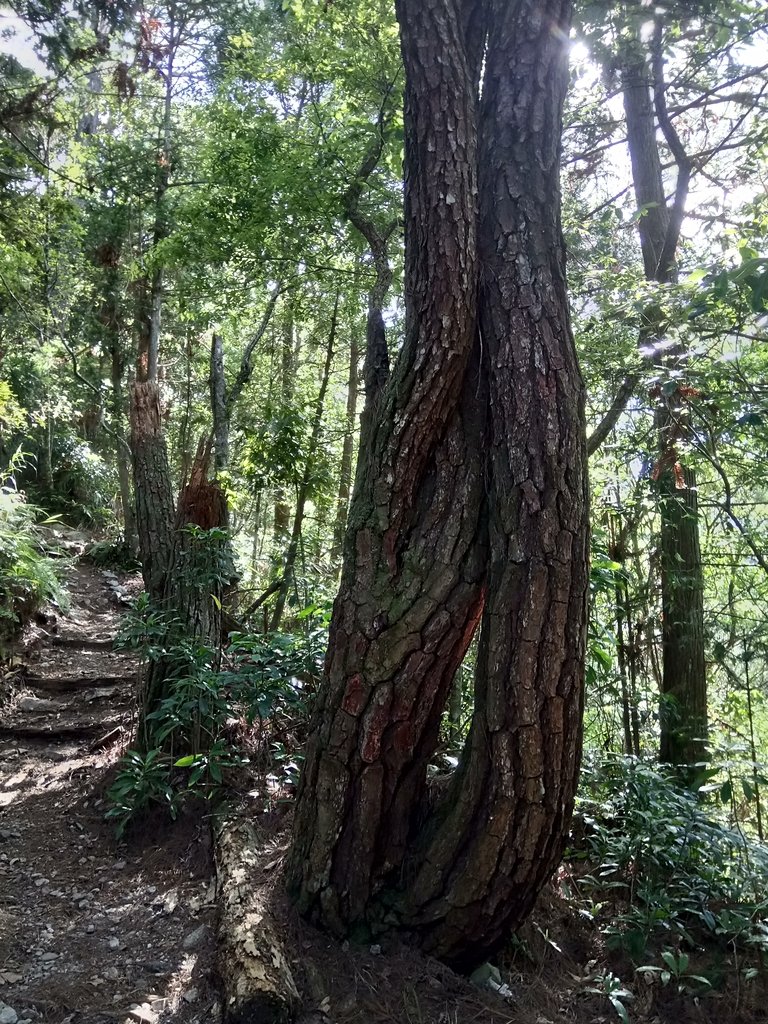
(91, 931)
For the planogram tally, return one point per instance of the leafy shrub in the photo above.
(156, 779)
(108, 554)
(671, 867)
(261, 678)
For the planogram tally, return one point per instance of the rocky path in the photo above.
(91, 931)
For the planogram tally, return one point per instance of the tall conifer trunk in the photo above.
(683, 715)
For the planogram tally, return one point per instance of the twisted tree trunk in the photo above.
(470, 506)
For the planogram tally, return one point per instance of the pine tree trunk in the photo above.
(470, 505)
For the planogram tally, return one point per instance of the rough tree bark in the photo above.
(683, 717)
(192, 591)
(345, 470)
(470, 505)
(152, 486)
(151, 470)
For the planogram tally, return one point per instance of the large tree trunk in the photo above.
(470, 503)
(683, 717)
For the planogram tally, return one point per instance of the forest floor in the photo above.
(93, 930)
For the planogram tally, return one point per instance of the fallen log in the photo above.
(73, 684)
(107, 644)
(256, 976)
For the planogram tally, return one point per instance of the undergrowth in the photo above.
(28, 578)
(254, 705)
(673, 889)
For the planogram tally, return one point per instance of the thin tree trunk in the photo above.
(123, 451)
(683, 717)
(218, 390)
(288, 380)
(151, 470)
(292, 551)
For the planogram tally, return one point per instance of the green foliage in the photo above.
(143, 780)
(27, 576)
(609, 985)
(108, 554)
(670, 868)
(155, 779)
(261, 679)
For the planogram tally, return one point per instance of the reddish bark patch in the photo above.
(354, 699)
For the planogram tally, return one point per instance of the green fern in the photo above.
(28, 577)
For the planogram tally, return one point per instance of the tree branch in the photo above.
(246, 368)
(616, 408)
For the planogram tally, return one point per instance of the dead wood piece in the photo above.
(106, 739)
(258, 983)
(71, 684)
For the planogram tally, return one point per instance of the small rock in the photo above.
(114, 943)
(190, 996)
(90, 929)
(49, 957)
(171, 901)
(143, 1013)
(155, 966)
(8, 1015)
(37, 704)
(375, 950)
(196, 938)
